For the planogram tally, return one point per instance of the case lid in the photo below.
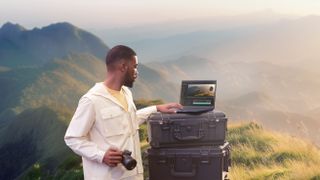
(208, 115)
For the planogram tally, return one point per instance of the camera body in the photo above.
(128, 162)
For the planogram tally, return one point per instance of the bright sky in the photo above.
(113, 13)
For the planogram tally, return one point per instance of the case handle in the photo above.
(188, 138)
(177, 135)
(183, 174)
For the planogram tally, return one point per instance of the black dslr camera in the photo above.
(128, 162)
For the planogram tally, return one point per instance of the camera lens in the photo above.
(128, 162)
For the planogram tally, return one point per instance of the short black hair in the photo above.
(119, 52)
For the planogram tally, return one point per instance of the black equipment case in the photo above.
(174, 130)
(195, 163)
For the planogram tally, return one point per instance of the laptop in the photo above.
(197, 96)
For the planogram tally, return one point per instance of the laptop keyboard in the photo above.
(194, 109)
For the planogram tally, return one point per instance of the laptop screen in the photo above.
(198, 93)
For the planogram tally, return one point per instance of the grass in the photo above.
(256, 154)
(261, 154)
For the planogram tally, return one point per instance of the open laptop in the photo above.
(197, 96)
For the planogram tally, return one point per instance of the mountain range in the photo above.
(263, 70)
(279, 97)
(280, 40)
(22, 47)
(39, 98)
(45, 71)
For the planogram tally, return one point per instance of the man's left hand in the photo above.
(169, 107)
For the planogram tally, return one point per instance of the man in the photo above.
(106, 121)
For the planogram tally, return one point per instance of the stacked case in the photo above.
(188, 146)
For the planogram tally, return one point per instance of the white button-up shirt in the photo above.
(99, 123)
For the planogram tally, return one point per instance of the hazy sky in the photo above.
(115, 13)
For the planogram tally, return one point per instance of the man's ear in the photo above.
(123, 67)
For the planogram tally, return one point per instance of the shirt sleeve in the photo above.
(76, 136)
(144, 113)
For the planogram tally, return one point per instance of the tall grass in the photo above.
(261, 154)
(256, 154)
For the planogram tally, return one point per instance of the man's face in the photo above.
(132, 72)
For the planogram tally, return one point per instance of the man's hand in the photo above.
(112, 157)
(169, 108)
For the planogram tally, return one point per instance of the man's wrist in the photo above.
(151, 109)
(101, 155)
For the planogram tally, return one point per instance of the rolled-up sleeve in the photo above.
(76, 136)
(143, 114)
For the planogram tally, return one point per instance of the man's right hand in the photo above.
(112, 157)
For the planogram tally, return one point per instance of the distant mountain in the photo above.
(186, 67)
(198, 43)
(278, 96)
(287, 42)
(10, 30)
(20, 47)
(273, 116)
(153, 84)
(293, 89)
(283, 41)
(154, 40)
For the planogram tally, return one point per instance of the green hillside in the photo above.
(62, 82)
(256, 154)
(55, 87)
(33, 136)
(262, 154)
(59, 84)
(36, 107)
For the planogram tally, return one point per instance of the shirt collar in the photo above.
(101, 90)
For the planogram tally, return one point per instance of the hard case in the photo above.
(195, 163)
(174, 130)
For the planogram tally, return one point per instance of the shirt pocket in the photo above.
(113, 120)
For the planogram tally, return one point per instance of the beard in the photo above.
(128, 81)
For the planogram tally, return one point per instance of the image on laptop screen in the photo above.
(200, 90)
(198, 93)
